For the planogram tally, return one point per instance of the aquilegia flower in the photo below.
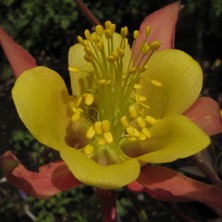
(125, 112)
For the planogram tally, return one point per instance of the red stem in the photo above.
(107, 200)
(87, 12)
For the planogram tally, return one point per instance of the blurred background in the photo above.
(47, 29)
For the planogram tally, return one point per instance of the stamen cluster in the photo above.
(115, 98)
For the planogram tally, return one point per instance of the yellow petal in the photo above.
(181, 79)
(172, 138)
(105, 177)
(41, 100)
(82, 80)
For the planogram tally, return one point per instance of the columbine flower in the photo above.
(125, 112)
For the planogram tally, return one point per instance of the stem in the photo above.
(86, 11)
(206, 168)
(107, 200)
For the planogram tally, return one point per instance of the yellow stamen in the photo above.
(137, 86)
(124, 122)
(90, 132)
(141, 122)
(108, 33)
(155, 82)
(73, 69)
(108, 137)
(105, 125)
(146, 132)
(136, 34)
(155, 45)
(87, 34)
(97, 127)
(133, 111)
(88, 149)
(99, 30)
(151, 120)
(148, 29)
(89, 99)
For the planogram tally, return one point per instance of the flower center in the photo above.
(114, 104)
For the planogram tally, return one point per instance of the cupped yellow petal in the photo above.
(42, 100)
(105, 177)
(181, 82)
(79, 70)
(172, 138)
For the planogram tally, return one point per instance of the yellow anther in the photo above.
(141, 122)
(130, 131)
(137, 86)
(108, 137)
(80, 40)
(73, 69)
(87, 50)
(151, 120)
(90, 132)
(88, 149)
(155, 82)
(148, 29)
(115, 54)
(132, 70)
(76, 116)
(86, 42)
(155, 45)
(78, 101)
(94, 37)
(100, 45)
(144, 105)
(124, 122)
(89, 99)
(102, 81)
(133, 111)
(101, 141)
(87, 34)
(112, 27)
(141, 136)
(111, 58)
(140, 98)
(136, 132)
(105, 125)
(124, 31)
(108, 33)
(88, 58)
(132, 138)
(120, 52)
(97, 127)
(144, 47)
(99, 30)
(136, 34)
(146, 132)
(108, 24)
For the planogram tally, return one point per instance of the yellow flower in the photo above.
(124, 111)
